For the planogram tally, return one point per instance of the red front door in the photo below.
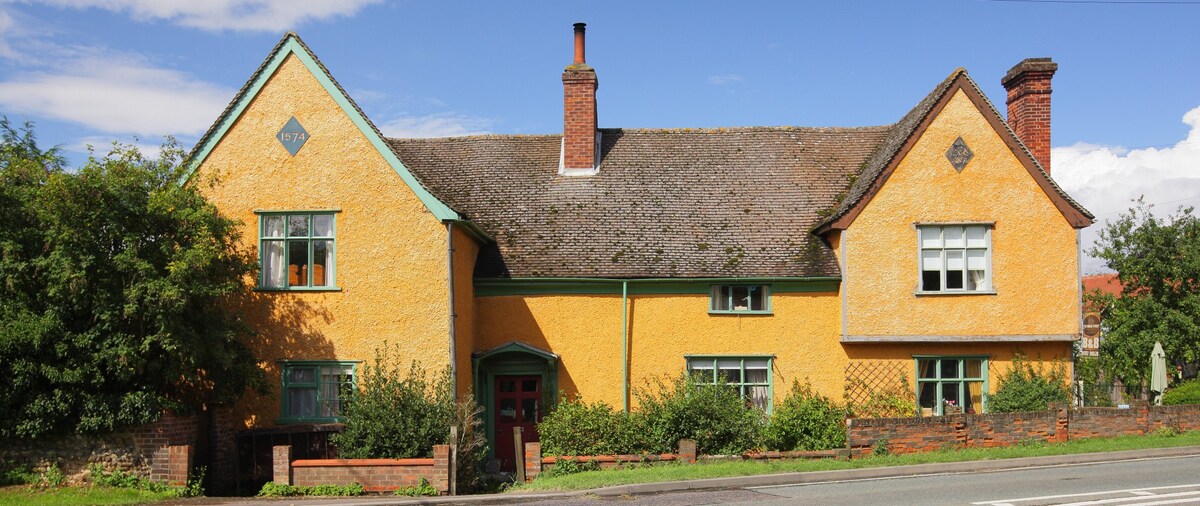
(518, 403)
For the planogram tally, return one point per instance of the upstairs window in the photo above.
(740, 299)
(296, 250)
(955, 258)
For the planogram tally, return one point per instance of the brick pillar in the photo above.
(223, 468)
(533, 460)
(1143, 415)
(281, 464)
(1028, 85)
(687, 451)
(1062, 422)
(441, 469)
(179, 464)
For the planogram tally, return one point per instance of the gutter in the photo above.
(453, 316)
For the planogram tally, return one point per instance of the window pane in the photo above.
(297, 226)
(950, 394)
(954, 280)
(931, 260)
(322, 225)
(931, 237)
(758, 397)
(929, 397)
(721, 298)
(702, 370)
(741, 297)
(954, 237)
(529, 410)
(974, 400)
(926, 368)
(758, 298)
(977, 237)
(302, 402)
(529, 385)
(954, 260)
(931, 281)
(756, 375)
(298, 263)
(302, 375)
(973, 368)
(273, 274)
(730, 370)
(508, 410)
(322, 259)
(949, 368)
(272, 226)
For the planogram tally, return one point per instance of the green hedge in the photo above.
(1187, 392)
(806, 420)
(1027, 388)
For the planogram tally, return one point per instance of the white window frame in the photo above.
(925, 247)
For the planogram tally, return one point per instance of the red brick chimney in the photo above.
(579, 112)
(1028, 85)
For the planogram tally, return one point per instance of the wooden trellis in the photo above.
(865, 377)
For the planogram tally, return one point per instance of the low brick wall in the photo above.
(907, 435)
(161, 451)
(375, 475)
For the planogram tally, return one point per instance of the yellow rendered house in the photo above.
(927, 251)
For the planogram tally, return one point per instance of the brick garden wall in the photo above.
(908, 435)
(160, 451)
(375, 475)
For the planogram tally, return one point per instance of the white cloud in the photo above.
(221, 15)
(115, 93)
(6, 27)
(724, 79)
(1105, 179)
(100, 146)
(436, 125)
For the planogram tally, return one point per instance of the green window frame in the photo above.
(297, 250)
(314, 390)
(739, 299)
(749, 374)
(951, 384)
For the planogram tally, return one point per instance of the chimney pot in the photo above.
(1028, 86)
(580, 57)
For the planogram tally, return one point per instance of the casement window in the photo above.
(740, 299)
(313, 391)
(948, 385)
(955, 258)
(296, 250)
(751, 376)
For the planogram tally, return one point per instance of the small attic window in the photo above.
(740, 299)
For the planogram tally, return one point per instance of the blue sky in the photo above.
(93, 71)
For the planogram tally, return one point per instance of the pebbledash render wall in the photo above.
(585, 331)
(391, 256)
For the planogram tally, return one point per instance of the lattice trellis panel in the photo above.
(862, 378)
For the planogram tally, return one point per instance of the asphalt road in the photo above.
(1139, 482)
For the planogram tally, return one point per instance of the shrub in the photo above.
(1027, 388)
(420, 489)
(272, 489)
(1187, 392)
(896, 401)
(806, 420)
(20, 475)
(472, 445)
(396, 415)
(575, 427)
(567, 466)
(715, 416)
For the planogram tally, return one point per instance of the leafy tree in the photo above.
(1158, 263)
(111, 283)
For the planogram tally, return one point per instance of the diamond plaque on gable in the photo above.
(959, 154)
(292, 136)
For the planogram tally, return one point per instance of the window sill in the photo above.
(300, 289)
(751, 313)
(919, 293)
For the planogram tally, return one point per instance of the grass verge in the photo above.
(25, 495)
(677, 472)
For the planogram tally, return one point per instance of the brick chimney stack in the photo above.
(579, 112)
(1028, 85)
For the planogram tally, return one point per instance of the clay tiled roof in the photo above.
(738, 202)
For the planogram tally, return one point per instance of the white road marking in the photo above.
(1192, 496)
(1008, 502)
(1141, 492)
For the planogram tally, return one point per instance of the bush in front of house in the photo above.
(1187, 392)
(395, 414)
(806, 420)
(715, 416)
(1025, 387)
(575, 427)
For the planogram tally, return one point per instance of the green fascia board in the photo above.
(292, 45)
(646, 286)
